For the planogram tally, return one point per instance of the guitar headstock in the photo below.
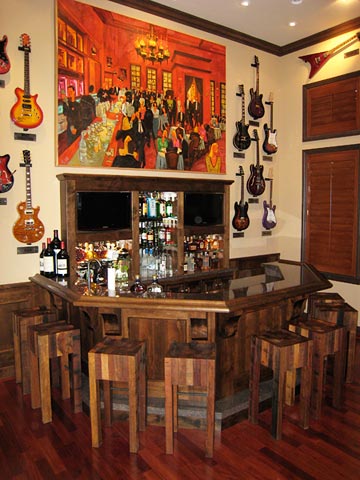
(256, 62)
(241, 90)
(25, 43)
(241, 171)
(26, 157)
(256, 135)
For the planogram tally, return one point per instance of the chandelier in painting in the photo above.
(149, 47)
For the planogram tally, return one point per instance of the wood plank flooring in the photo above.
(330, 449)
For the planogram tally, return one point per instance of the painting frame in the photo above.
(188, 86)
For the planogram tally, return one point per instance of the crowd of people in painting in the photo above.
(175, 129)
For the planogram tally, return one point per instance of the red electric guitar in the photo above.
(318, 60)
(241, 219)
(28, 228)
(6, 177)
(4, 59)
(26, 113)
(256, 183)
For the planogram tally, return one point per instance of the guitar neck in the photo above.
(243, 110)
(339, 47)
(26, 73)
(28, 188)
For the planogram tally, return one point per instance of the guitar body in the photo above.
(269, 144)
(256, 107)
(26, 113)
(242, 139)
(28, 228)
(4, 59)
(241, 219)
(316, 60)
(256, 184)
(6, 177)
(269, 219)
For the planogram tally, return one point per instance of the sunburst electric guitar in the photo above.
(241, 219)
(28, 228)
(4, 59)
(26, 113)
(270, 144)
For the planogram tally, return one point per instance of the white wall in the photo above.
(283, 76)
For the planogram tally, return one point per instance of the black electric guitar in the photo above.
(256, 108)
(4, 59)
(270, 144)
(28, 228)
(241, 219)
(269, 219)
(256, 183)
(6, 177)
(242, 139)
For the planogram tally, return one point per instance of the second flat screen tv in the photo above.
(203, 209)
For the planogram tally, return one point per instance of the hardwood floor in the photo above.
(330, 449)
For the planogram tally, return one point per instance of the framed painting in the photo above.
(136, 95)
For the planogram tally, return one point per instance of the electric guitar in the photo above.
(269, 219)
(269, 144)
(318, 60)
(242, 139)
(256, 108)
(26, 113)
(256, 183)
(4, 59)
(6, 177)
(28, 228)
(241, 220)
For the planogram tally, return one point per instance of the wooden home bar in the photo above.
(224, 305)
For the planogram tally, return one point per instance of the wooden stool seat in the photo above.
(328, 339)
(189, 364)
(281, 351)
(46, 342)
(21, 319)
(323, 299)
(118, 360)
(341, 314)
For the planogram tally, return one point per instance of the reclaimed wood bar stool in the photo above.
(341, 314)
(323, 299)
(118, 360)
(46, 342)
(328, 340)
(21, 319)
(189, 364)
(281, 351)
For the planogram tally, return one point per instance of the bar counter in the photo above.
(228, 315)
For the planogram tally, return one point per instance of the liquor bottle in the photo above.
(41, 258)
(138, 288)
(56, 247)
(49, 262)
(169, 207)
(155, 289)
(62, 261)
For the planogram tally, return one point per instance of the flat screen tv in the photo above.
(103, 211)
(203, 209)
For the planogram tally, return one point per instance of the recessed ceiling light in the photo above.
(292, 24)
(245, 3)
(296, 2)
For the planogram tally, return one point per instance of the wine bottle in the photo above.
(49, 262)
(62, 260)
(41, 258)
(56, 247)
(155, 289)
(138, 287)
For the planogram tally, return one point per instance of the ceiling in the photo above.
(268, 20)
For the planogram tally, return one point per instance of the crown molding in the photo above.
(230, 34)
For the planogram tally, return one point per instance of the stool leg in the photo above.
(175, 408)
(339, 363)
(277, 397)
(254, 381)
(350, 366)
(34, 380)
(65, 376)
(107, 395)
(305, 396)
(76, 371)
(209, 446)
(317, 382)
(44, 376)
(142, 394)
(168, 408)
(96, 438)
(133, 405)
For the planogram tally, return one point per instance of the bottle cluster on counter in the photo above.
(203, 252)
(54, 258)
